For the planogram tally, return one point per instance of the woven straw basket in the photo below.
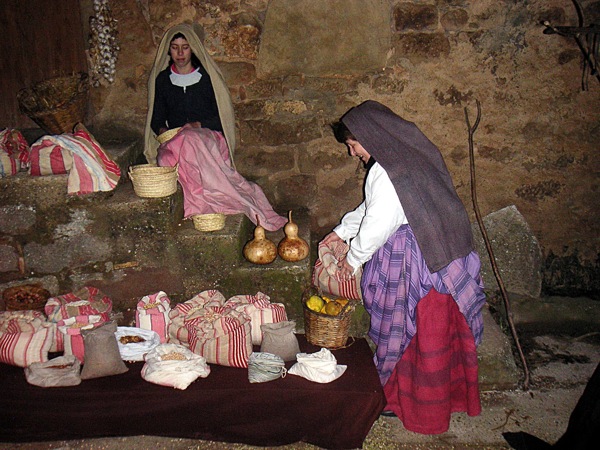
(167, 135)
(57, 104)
(152, 181)
(209, 222)
(324, 330)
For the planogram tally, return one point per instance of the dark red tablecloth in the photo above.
(225, 406)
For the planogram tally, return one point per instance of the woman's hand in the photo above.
(331, 237)
(196, 124)
(345, 270)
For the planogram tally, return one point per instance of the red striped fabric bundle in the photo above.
(25, 337)
(152, 313)
(177, 332)
(221, 335)
(71, 330)
(90, 169)
(85, 302)
(48, 158)
(325, 270)
(14, 152)
(260, 310)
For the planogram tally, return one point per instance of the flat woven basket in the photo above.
(152, 181)
(167, 135)
(57, 104)
(25, 297)
(324, 330)
(209, 222)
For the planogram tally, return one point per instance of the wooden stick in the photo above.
(488, 246)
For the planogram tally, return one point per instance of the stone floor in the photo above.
(560, 361)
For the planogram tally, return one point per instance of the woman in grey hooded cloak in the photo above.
(421, 283)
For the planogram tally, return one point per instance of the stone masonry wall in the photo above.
(293, 67)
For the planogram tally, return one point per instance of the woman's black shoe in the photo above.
(388, 414)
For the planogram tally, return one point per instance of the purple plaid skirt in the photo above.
(393, 282)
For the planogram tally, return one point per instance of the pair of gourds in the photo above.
(261, 250)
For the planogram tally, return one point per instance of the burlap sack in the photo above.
(279, 339)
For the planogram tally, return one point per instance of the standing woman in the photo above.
(421, 283)
(186, 91)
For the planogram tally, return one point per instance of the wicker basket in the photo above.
(167, 135)
(25, 297)
(209, 222)
(56, 105)
(152, 181)
(324, 330)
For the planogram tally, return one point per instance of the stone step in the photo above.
(130, 246)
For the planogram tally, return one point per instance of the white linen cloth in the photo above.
(320, 367)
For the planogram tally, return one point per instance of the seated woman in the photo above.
(186, 90)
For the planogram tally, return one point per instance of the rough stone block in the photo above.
(354, 42)
(497, 367)
(516, 251)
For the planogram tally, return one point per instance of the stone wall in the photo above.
(294, 66)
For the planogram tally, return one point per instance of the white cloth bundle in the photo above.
(135, 351)
(321, 366)
(174, 365)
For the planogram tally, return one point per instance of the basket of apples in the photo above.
(326, 318)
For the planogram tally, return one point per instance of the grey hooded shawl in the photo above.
(421, 180)
(224, 103)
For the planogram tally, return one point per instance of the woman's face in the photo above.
(181, 53)
(356, 149)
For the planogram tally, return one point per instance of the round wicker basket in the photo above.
(167, 135)
(153, 181)
(324, 330)
(209, 222)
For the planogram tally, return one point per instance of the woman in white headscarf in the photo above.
(187, 92)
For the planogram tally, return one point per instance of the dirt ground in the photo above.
(560, 366)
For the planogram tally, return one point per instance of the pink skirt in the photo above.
(438, 373)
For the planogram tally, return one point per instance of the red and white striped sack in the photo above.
(152, 313)
(8, 165)
(177, 332)
(71, 328)
(325, 269)
(48, 158)
(14, 152)
(260, 310)
(86, 301)
(25, 337)
(221, 335)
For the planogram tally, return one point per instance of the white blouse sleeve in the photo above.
(370, 225)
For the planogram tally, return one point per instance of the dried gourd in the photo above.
(260, 250)
(292, 248)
